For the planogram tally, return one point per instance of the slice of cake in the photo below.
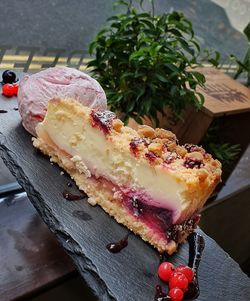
(144, 178)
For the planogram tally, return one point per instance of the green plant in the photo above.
(226, 153)
(144, 63)
(211, 56)
(244, 66)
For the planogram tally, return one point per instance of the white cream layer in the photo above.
(89, 146)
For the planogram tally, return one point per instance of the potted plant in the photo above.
(145, 64)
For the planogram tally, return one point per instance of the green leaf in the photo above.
(147, 102)
(120, 2)
(199, 76)
(161, 78)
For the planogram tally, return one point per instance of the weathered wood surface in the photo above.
(31, 257)
(223, 95)
(84, 231)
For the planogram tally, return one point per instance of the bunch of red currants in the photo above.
(9, 83)
(177, 278)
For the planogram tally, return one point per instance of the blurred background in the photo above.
(38, 34)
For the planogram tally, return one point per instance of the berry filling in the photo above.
(191, 163)
(102, 119)
(134, 145)
(151, 156)
(158, 219)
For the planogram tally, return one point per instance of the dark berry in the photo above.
(179, 280)
(191, 163)
(187, 271)
(176, 294)
(9, 77)
(165, 271)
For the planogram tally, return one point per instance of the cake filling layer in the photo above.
(91, 147)
(158, 219)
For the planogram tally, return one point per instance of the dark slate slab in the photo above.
(31, 257)
(84, 231)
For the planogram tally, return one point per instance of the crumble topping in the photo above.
(161, 146)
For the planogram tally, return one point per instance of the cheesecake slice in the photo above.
(143, 178)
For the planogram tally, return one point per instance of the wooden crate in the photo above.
(224, 98)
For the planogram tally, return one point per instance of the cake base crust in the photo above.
(99, 194)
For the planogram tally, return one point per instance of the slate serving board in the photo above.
(84, 231)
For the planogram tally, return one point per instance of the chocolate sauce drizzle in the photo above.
(196, 247)
(115, 247)
(3, 111)
(160, 295)
(82, 215)
(72, 197)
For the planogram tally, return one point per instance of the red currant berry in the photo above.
(8, 90)
(165, 270)
(176, 294)
(15, 90)
(179, 280)
(187, 271)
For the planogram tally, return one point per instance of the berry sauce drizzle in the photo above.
(160, 295)
(196, 247)
(116, 247)
(72, 197)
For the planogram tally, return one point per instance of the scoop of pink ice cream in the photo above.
(36, 90)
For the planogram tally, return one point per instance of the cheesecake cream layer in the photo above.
(97, 156)
(183, 191)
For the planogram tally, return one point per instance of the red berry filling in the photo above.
(102, 119)
(134, 145)
(151, 156)
(191, 163)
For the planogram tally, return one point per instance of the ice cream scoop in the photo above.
(36, 90)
